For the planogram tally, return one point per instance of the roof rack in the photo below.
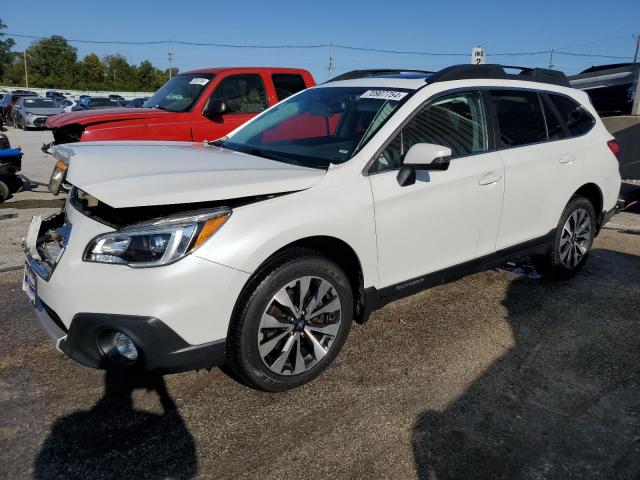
(375, 72)
(465, 72)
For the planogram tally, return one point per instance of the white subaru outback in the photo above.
(259, 250)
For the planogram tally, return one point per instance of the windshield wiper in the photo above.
(159, 107)
(219, 142)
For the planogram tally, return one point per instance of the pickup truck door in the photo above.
(244, 95)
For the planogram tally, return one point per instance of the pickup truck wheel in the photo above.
(293, 324)
(572, 241)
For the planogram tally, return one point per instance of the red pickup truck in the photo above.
(193, 106)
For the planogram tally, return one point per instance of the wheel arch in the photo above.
(334, 249)
(593, 193)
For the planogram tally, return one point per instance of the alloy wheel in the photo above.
(575, 238)
(299, 325)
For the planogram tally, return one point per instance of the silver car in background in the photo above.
(32, 112)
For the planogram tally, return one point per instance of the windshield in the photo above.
(180, 93)
(39, 103)
(319, 126)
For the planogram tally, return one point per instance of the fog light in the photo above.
(126, 347)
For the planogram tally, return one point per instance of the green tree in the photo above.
(51, 62)
(6, 55)
(91, 73)
(147, 76)
(119, 75)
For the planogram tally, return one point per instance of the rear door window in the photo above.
(286, 84)
(520, 117)
(577, 119)
(554, 126)
(242, 94)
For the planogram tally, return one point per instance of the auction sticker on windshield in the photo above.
(199, 81)
(384, 95)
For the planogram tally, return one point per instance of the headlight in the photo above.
(59, 173)
(157, 242)
(31, 114)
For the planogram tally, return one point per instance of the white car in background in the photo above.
(67, 104)
(258, 251)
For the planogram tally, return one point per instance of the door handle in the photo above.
(490, 179)
(567, 158)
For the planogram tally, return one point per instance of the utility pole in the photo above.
(170, 61)
(330, 59)
(551, 59)
(26, 76)
(635, 55)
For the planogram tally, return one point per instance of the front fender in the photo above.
(255, 232)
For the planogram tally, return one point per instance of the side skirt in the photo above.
(375, 299)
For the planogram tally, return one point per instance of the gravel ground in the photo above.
(494, 376)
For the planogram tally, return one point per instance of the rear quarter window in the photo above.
(575, 117)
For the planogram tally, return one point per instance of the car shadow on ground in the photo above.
(563, 401)
(114, 440)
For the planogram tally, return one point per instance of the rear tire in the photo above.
(572, 241)
(291, 322)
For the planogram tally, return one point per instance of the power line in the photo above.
(322, 45)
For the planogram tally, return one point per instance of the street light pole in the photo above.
(26, 75)
(635, 55)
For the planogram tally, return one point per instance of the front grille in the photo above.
(67, 133)
(52, 239)
(40, 121)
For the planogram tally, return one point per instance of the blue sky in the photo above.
(586, 26)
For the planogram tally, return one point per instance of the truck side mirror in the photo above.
(214, 107)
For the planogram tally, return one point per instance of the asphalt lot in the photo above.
(16, 213)
(498, 375)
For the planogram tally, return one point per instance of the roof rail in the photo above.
(374, 72)
(465, 72)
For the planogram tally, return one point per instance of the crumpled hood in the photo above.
(91, 117)
(137, 174)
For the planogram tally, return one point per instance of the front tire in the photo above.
(291, 323)
(572, 241)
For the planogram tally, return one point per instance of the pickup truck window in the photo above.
(287, 84)
(242, 94)
(180, 93)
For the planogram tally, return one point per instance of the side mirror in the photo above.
(423, 156)
(214, 107)
(427, 156)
